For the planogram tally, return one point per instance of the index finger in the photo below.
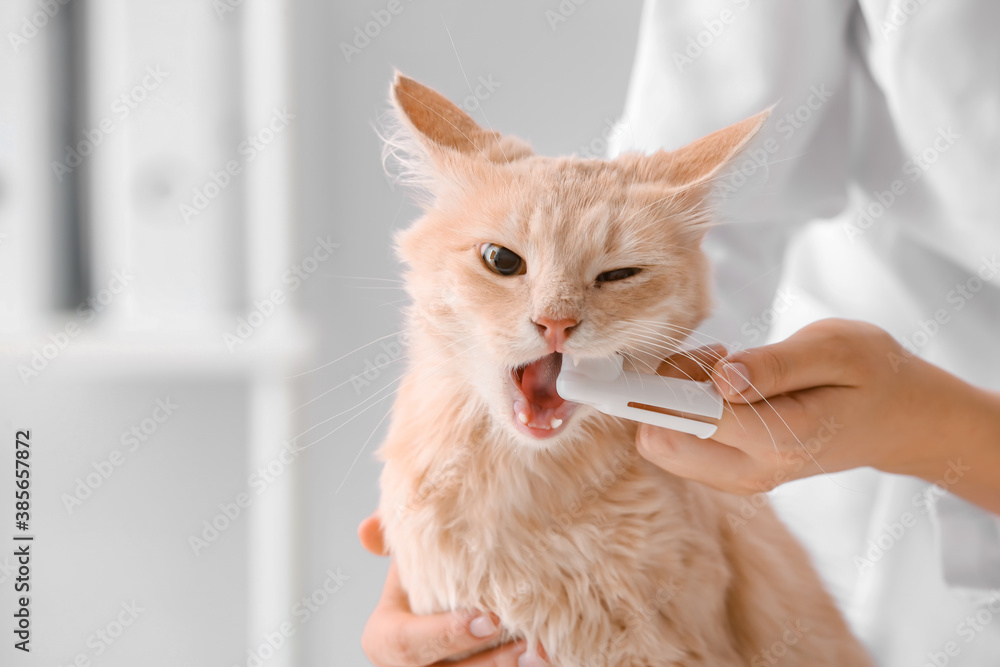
(695, 364)
(822, 354)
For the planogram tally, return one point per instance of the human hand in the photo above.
(838, 394)
(396, 637)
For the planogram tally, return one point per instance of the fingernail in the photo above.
(737, 376)
(531, 659)
(483, 626)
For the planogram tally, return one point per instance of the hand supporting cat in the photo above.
(396, 637)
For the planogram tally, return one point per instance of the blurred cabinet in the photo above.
(145, 225)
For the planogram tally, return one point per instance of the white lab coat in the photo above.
(877, 198)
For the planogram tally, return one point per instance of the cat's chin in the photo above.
(537, 410)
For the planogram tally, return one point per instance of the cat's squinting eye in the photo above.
(501, 261)
(617, 274)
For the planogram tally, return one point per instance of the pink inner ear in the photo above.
(703, 158)
(441, 124)
(435, 117)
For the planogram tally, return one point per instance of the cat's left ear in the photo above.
(703, 159)
(438, 142)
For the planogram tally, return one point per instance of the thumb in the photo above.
(803, 361)
(370, 534)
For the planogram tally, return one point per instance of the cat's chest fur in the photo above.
(582, 553)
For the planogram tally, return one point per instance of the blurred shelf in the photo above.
(206, 347)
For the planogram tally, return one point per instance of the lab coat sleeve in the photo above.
(912, 57)
(970, 544)
(702, 65)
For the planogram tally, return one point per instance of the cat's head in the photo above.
(521, 258)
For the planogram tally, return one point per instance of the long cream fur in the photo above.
(576, 542)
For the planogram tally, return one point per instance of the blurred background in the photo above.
(200, 305)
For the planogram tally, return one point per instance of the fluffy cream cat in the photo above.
(498, 495)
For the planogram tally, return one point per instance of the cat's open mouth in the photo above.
(538, 409)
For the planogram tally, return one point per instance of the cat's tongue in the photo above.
(538, 383)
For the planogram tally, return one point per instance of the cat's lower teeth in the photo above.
(556, 423)
(523, 417)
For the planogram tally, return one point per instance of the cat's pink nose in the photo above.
(555, 332)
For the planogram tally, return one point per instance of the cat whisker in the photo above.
(768, 404)
(375, 430)
(671, 352)
(655, 371)
(678, 344)
(403, 356)
(360, 451)
(732, 411)
(692, 334)
(344, 356)
(376, 287)
(379, 390)
(338, 386)
(406, 378)
(388, 280)
(674, 351)
(471, 91)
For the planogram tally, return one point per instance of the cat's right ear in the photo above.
(699, 162)
(435, 142)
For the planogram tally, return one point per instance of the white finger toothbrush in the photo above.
(681, 405)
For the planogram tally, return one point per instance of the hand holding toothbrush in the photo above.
(838, 394)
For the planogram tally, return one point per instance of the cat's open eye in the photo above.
(617, 274)
(502, 261)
